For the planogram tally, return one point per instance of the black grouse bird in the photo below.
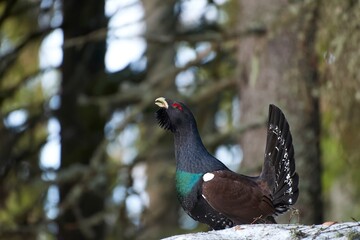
(211, 193)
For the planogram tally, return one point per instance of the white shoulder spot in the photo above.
(208, 176)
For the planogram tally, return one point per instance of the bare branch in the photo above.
(10, 91)
(8, 59)
(231, 135)
(131, 95)
(211, 36)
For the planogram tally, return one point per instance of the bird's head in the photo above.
(173, 115)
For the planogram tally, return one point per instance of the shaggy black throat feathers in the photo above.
(211, 193)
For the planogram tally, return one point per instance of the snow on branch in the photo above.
(348, 230)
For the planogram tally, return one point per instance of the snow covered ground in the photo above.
(328, 230)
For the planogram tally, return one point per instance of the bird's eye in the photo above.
(178, 106)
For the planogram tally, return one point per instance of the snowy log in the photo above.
(329, 230)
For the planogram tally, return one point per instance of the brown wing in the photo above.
(236, 196)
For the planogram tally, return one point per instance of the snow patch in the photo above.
(278, 231)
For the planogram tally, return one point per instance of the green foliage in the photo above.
(22, 189)
(23, 204)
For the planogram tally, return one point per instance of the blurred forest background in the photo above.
(81, 154)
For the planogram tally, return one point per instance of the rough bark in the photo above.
(281, 69)
(337, 46)
(81, 126)
(162, 214)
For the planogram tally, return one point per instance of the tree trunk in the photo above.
(338, 43)
(82, 127)
(281, 68)
(161, 217)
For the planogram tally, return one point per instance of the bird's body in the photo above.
(211, 193)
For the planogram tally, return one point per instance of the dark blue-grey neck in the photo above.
(191, 154)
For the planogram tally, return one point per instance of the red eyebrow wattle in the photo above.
(177, 105)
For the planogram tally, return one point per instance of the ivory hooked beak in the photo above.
(161, 102)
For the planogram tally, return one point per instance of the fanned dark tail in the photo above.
(279, 166)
